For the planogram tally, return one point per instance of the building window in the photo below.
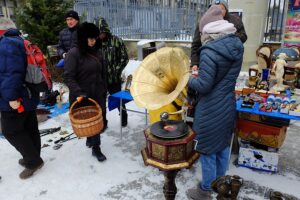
(1, 12)
(275, 21)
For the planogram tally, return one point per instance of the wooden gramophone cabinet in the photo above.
(169, 155)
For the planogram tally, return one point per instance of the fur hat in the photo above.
(72, 14)
(217, 2)
(214, 13)
(86, 30)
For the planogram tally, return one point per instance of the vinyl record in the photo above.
(169, 130)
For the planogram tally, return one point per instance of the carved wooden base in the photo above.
(170, 188)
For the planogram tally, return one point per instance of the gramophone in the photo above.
(160, 81)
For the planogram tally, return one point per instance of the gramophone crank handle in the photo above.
(164, 116)
(177, 112)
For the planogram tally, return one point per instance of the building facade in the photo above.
(7, 9)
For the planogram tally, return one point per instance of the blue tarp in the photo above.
(56, 109)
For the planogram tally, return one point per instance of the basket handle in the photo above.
(90, 99)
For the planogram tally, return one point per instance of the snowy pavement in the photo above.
(71, 173)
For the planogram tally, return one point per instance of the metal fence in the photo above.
(275, 21)
(146, 19)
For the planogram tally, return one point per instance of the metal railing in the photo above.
(275, 21)
(141, 19)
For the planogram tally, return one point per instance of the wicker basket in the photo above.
(86, 121)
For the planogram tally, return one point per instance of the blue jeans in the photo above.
(213, 166)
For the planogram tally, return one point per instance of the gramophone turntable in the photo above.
(169, 129)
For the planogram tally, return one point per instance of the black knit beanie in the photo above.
(72, 14)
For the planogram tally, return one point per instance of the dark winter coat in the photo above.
(13, 63)
(196, 44)
(220, 64)
(85, 75)
(114, 53)
(67, 40)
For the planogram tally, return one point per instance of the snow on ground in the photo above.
(71, 173)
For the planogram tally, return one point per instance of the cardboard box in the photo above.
(247, 91)
(257, 159)
(268, 135)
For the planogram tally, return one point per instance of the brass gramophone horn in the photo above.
(160, 78)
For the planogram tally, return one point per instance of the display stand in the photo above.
(255, 110)
(117, 99)
(267, 130)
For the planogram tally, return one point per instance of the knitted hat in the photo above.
(214, 13)
(217, 2)
(72, 14)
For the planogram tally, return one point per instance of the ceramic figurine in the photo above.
(267, 107)
(253, 77)
(279, 71)
(294, 108)
(285, 105)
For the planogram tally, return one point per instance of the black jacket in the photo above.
(67, 40)
(85, 75)
(196, 44)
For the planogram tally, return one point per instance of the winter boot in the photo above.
(26, 173)
(274, 195)
(88, 144)
(22, 162)
(96, 151)
(198, 194)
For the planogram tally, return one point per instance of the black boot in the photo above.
(96, 151)
(88, 144)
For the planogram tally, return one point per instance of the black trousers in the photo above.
(21, 131)
(113, 88)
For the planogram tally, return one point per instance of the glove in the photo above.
(80, 99)
(60, 63)
(14, 104)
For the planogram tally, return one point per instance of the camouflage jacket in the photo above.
(113, 51)
(115, 57)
